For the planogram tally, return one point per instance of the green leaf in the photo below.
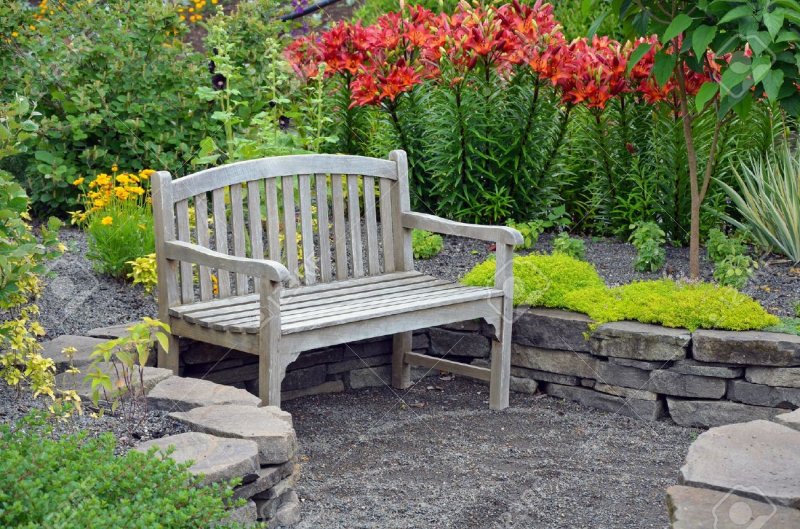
(678, 25)
(596, 24)
(701, 38)
(772, 83)
(663, 67)
(774, 21)
(163, 341)
(637, 55)
(735, 14)
(705, 94)
(761, 66)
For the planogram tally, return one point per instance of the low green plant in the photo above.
(425, 244)
(560, 281)
(144, 272)
(531, 230)
(720, 246)
(573, 247)
(735, 270)
(77, 482)
(126, 356)
(648, 239)
(797, 309)
(786, 326)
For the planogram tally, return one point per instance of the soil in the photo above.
(437, 457)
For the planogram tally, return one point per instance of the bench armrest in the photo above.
(193, 253)
(496, 234)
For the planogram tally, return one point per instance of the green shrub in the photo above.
(559, 281)
(735, 271)
(786, 326)
(719, 246)
(531, 230)
(425, 244)
(564, 244)
(648, 239)
(540, 279)
(79, 483)
(767, 196)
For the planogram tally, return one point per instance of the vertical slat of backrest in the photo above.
(167, 270)
(354, 219)
(201, 225)
(185, 235)
(403, 258)
(273, 222)
(387, 233)
(290, 227)
(323, 228)
(339, 230)
(239, 235)
(307, 229)
(254, 222)
(221, 239)
(371, 222)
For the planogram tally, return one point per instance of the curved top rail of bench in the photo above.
(240, 172)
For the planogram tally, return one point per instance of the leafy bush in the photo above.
(649, 240)
(559, 281)
(79, 483)
(564, 244)
(425, 244)
(767, 196)
(531, 230)
(735, 270)
(719, 246)
(144, 272)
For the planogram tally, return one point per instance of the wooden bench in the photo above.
(311, 251)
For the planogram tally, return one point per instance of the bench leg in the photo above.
(501, 361)
(270, 370)
(270, 376)
(401, 370)
(170, 359)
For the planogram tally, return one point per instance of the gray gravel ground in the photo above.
(439, 458)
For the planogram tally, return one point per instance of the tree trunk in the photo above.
(691, 157)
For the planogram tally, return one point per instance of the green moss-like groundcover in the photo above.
(559, 281)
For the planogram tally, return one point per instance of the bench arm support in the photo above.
(193, 253)
(496, 234)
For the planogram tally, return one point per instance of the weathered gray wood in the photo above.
(270, 370)
(501, 349)
(498, 234)
(273, 216)
(401, 370)
(354, 219)
(325, 268)
(239, 172)
(193, 253)
(290, 228)
(401, 203)
(387, 233)
(201, 225)
(168, 292)
(307, 229)
(239, 235)
(254, 222)
(339, 237)
(185, 234)
(221, 239)
(371, 222)
(449, 366)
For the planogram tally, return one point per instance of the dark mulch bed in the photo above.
(437, 457)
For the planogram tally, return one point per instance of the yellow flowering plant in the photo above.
(118, 218)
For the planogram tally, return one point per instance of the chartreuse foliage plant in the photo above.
(559, 281)
(425, 244)
(77, 482)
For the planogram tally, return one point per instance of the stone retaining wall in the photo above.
(704, 378)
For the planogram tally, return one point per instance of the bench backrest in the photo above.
(325, 217)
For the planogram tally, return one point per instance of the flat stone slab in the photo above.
(454, 343)
(543, 376)
(649, 410)
(215, 458)
(761, 395)
(747, 348)
(551, 329)
(669, 382)
(757, 459)
(567, 363)
(619, 375)
(244, 516)
(262, 480)
(83, 344)
(111, 332)
(275, 437)
(792, 420)
(693, 508)
(786, 377)
(710, 413)
(150, 376)
(628, 393)
(705, 369)
(184, 394)
(640, 341)
(523, 385)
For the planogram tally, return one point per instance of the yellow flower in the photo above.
(107, 221)
(144, 174)
(14, 34)
(114, 168)
(78, 181)
(121, 193)
(123, 179)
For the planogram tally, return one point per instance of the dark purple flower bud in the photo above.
(283, 122)
(212, 67)
(218, 81)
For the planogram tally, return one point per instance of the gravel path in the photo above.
(444, 460)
